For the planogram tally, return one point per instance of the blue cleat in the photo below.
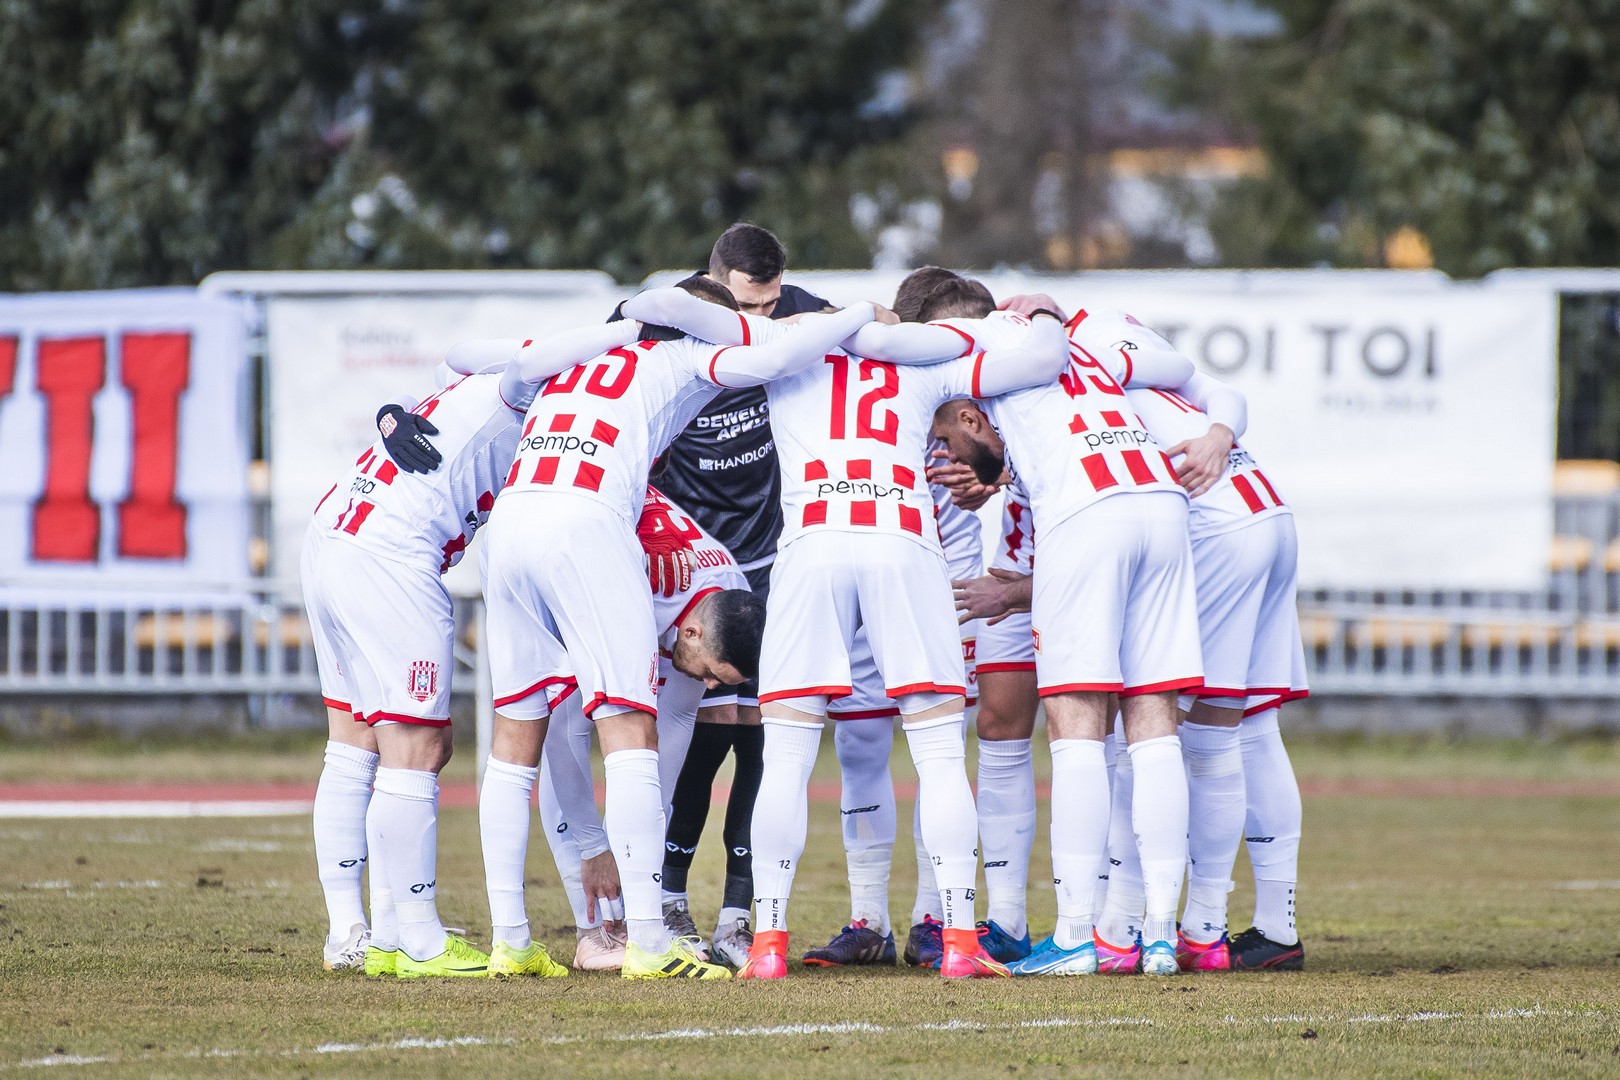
(1048, 959)
(855, 945)
(1002, 946)
(925, 945)
(1159, 958)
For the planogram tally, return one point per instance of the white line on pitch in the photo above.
(153, 808)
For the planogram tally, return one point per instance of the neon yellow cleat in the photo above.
(458, 959)
(678, 962)
(505, 960)
(380, 961)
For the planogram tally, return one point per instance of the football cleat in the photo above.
(1001, 945)
(678, 921)
(768, 957)
(599, 949)
(924, 946)
(856, 945)
(459, 959)
(963, 957)
(1113, 960)
(679, 961)
(1253, 951)
(1048, 958)
(381, 961)
(535, 960)
(730, 944)
(1159, 958)
(348, 954)
(1202, 955)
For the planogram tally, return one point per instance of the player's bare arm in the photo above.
(994, 596)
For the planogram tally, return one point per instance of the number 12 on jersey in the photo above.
(866, 407)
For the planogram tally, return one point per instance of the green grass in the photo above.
(1445, 936)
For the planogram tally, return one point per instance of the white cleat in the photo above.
(348, 954)
(1159, 958)
(600, 949)
(731, 943)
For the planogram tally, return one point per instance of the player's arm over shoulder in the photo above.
(1014, 352)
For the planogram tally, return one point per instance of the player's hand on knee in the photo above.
(1203, 460)
(405, 437)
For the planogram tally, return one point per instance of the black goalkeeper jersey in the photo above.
(722, 468)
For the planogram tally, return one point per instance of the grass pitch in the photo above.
(1445, 934)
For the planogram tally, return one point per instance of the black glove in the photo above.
(404, 436)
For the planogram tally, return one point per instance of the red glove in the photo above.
(669, 553)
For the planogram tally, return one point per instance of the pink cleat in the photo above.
(965, 958)
(767, 959)
(1113, 960)
(1202, 955)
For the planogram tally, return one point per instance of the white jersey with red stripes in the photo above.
(595, 429)
(1076, 441)
(1241, 496)
(714, 569)
(851, 438)
(1015, 548)
(429, 518)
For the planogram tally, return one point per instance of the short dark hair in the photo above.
(700, 286)
(735, 627)
(936, 293)
(753, 250)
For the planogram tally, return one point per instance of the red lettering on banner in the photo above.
(67, 525)
(156, 368)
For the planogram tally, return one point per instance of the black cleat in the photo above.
(855, 945)
(1253, 951)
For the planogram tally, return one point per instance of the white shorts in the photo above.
(1008, 645)
(1115, 605)
(383, 631)
(826, 585)
(869, 700)
(567, 569)
(1248, 618)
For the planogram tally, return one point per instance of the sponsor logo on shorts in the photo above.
(423, 680)
(652, 676)
(1036, 634)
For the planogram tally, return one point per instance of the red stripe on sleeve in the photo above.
(961, 334)
(714, 360)
(744, 320)
(978, 368)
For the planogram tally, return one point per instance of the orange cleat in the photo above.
(767, 959)
(965, 958)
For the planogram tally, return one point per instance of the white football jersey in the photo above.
(715, 570)
(959, 534)
(595, 429)
(1242, 495)
(429, 518)
(1015, 550)
(1075, 441)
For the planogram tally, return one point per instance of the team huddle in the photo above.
(732, 513)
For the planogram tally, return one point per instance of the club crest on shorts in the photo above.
(423, 680)
(1036, 634)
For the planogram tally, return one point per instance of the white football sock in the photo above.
(1079, 833)
(341, 799)
(384, 919)
(1007, 828)
(634, 819)
(561, 834)
(1273, 826)
(406, 803)
(945, 814)
(1121, 918)
(926, 902)
(866, 810)
(1159, 817)
(1099, 898)
(781, 816)
(1215, 813)
(503, 829)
